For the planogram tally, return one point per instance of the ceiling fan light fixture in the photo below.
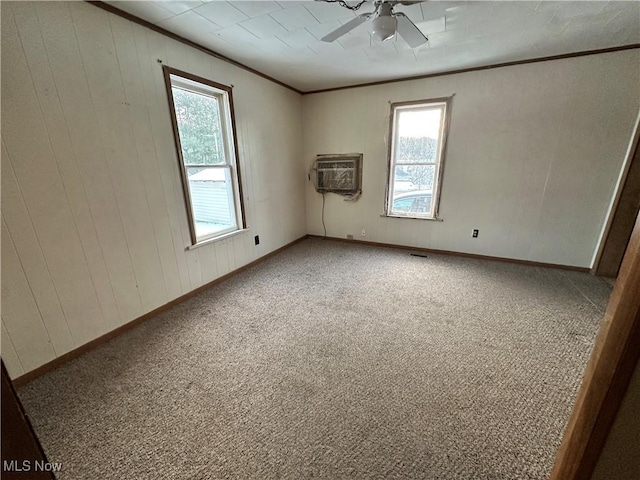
(383, 27)
(384, 23)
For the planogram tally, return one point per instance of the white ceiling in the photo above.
(282, 39)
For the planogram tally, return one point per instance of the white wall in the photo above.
(94, 227)
(534, 152)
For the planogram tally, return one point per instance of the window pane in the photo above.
(199, 126)
(413, 177)
(413, 204)
(413, 190)
(212, 200)
(417, 136)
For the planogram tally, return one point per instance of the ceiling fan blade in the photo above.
(346, 28)
(408, 30)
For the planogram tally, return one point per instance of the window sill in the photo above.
(431, 219)
(217, 239)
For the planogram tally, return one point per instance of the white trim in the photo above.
(433, 219)
(217, 238)
(195, 87)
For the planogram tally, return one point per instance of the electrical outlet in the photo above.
(364, 233)
(256, 239)
(349, 237)
(474, 233)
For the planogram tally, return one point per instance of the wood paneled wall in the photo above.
(533, 155)
(94, 226)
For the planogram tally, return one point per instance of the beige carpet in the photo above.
(332, 361)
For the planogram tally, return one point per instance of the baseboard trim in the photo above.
(457, 254)
(93, 344)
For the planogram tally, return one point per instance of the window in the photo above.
(202, 117)
(418, 139)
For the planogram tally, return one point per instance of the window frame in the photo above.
(395, 108)
(230, 145)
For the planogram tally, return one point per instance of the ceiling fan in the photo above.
(384, 24)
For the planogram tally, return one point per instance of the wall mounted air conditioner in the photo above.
(338, 173)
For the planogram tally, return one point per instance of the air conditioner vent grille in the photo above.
(338, 175)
